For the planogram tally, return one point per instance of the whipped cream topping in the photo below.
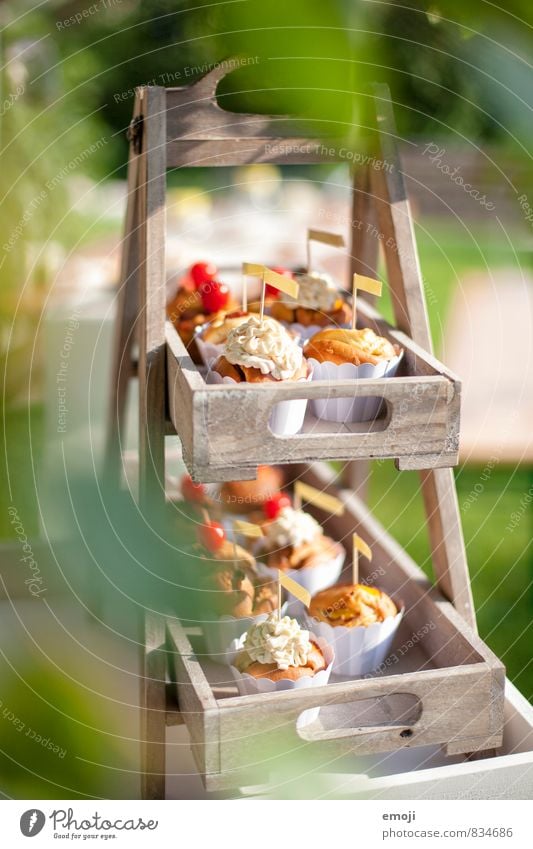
(291, 527)
(264, 345)
(317, 291)
(280, 641)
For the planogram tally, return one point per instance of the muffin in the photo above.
(260, 351)
(211, 337)
(353, 606)
(359, 621)
(232, 595)
(319, 304)
(295, 543)
(257, 351)
(340, 345)
(347, 354)
(249, 496)
(230, 590)
(279, 649)
(197, 299)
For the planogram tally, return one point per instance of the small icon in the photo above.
(32, 822)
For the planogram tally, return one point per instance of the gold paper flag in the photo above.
(367, 284)
(295, 589)
(326, 238)
(282, 282)
(362, 546)
(253, 269)
(247, 529)
(320, 499)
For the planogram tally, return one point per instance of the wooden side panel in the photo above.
(197, 705)
(405, 281)
(125, 322)
(153, 710)
(152, 371)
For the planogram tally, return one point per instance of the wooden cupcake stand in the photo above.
(448, 689)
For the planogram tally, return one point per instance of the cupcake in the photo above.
(278, 654)
(360, 621)
(248, 497)
(294, 542)
(233, 595)
(319, 304)
(211, 337)
(341, 353)
(260, 351)
(199, 297)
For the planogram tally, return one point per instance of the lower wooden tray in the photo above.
(441, 685)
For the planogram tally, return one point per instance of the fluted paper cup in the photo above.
(208, 351)
(312, 578)
(350, 409)
(247, 685)
(287, 417)
(359, 650)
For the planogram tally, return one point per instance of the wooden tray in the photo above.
(225, 434)
(442, 687)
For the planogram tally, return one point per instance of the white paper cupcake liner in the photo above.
(359, 650)
(312, 578)
(208, 350)
(350, 409)
(248, 685)
(287, 417)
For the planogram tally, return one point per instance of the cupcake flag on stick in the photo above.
(272, 278)
(358, 546)
(326, 238)
(293, 588)
(304, 492)
(247, 529)
(365, 284)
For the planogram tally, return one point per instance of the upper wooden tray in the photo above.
(225, 434)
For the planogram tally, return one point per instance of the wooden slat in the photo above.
(405, 281)
(153, 709)
(152, 297)
(122, 368)
(197, 704)
(363, 260)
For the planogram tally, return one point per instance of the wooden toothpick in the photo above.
(355, 561)
(358, 546)
(263, 296)
(354, 302)
(244, 294)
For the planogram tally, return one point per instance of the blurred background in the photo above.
(461, 88)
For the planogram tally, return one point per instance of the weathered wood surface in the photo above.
(152, 301)
(456, 693)
(225, 427)
(408, 298)
(153, 709)
(201, 133)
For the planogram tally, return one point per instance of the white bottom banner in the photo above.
(259, 823)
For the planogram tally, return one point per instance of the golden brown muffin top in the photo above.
(352, 605)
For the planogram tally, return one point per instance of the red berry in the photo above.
(212, 535)
(215, 296)
(203, 272)
(274, 505)
(192, 491)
